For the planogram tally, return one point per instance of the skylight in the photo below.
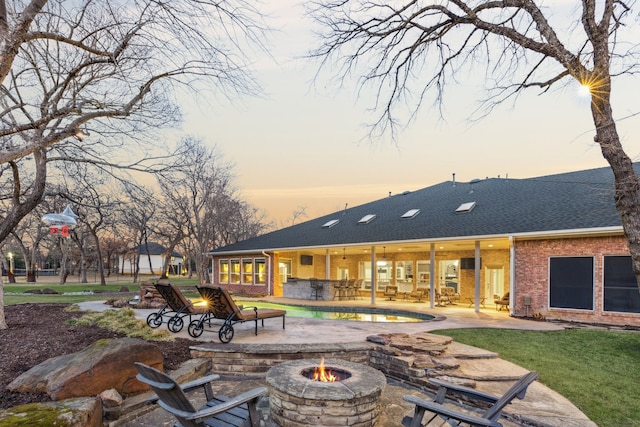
(411, 213)
(331, 223)
(367, 218)
(466, 207)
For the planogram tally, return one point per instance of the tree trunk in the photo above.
(166, 266)
(100, 265)
(626, 180)
(83, 267)
(63, 262)
(3, 321)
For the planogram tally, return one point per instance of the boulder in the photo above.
(104, 365)
(111, 404)
(111, 398)
(79, 412)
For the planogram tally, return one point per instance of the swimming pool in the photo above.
(359, 314)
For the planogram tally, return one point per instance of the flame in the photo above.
(320, 374)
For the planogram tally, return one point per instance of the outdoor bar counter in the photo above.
(301, 289)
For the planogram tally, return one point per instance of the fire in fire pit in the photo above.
(352, 399)
(326, 375)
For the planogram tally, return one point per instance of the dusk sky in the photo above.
(305, 145)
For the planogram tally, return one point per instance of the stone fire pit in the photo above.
(297, 401)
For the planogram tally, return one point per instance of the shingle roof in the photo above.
(568, 201)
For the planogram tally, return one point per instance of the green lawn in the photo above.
(597, 370)
(72, 292)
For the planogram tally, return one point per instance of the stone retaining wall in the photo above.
(253, 361)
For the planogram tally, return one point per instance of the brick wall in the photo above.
(532, 277)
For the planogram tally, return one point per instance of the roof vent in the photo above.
(466, 207)
(331, 223)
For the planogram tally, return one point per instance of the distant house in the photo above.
(157, 253)
(554, 243)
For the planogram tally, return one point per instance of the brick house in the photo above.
(554, 243)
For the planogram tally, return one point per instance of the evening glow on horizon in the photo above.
(304, 143)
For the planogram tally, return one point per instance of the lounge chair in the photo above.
(451, 293)
(177, 307)
(221, 306)
(502, 302)
(218, 411)
(455, 417)
(390, 292)
(417, 295)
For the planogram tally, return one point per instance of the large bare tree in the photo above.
(416, 48)
(94, 81)
(206, 209)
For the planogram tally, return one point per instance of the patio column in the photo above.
(477, 277)
(327, 265)
(432, 275)
(373, 275)
(512, 275)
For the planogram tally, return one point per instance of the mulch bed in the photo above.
(38, 332)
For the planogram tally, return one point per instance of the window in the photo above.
(620, 286)
(223, 272)
(234, 271)
(260, 271)
(424, 274)
(384, 274)
(571, 282)
(285, 270)
(331, 223)
(247, 270)
(411, 213)
(466, 207)
(449, 276)
(404, 276)
(367, 219)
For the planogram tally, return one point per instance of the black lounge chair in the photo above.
(455, 417)
(241, 411)
(221, 306)
(177, 307)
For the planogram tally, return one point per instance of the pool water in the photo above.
(359, 314)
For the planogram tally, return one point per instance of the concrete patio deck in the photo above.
(541, 407)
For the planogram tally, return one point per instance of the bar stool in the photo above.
(351, 289)
(316, 289)
(339, 289)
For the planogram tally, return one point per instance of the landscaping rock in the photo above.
(104, 365)
(80, 412)
(111, 398)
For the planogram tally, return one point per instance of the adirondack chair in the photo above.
(241, 411)
(177, 307)
(455, 417)
(221, 306)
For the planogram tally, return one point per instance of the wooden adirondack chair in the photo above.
(455, 417)
(240, 411)
(221, 306)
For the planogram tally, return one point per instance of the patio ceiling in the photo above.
(391, 248)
